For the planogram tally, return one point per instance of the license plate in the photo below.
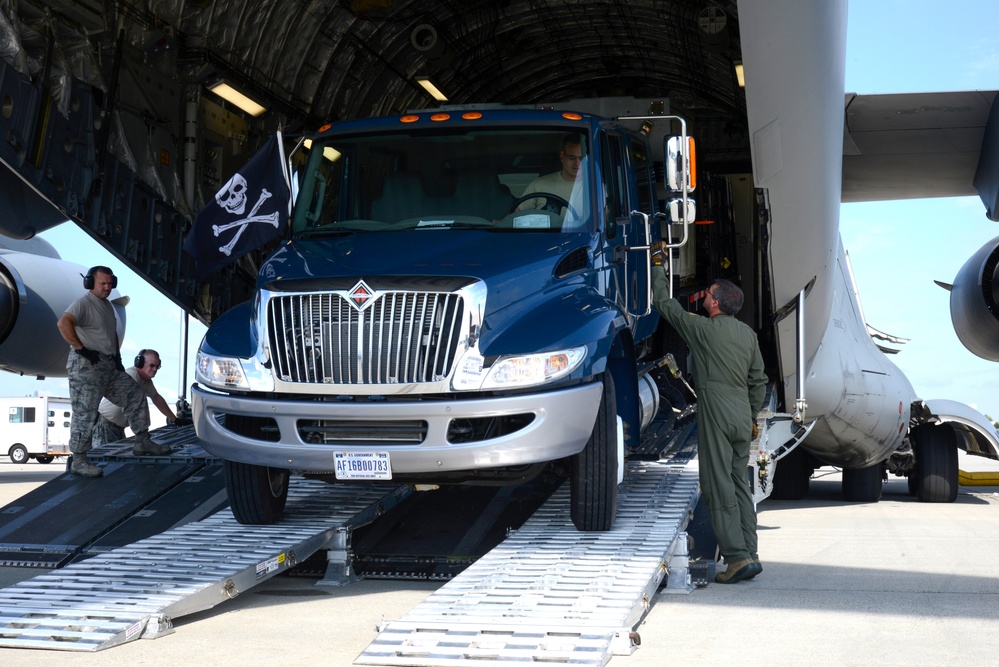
(362, 465)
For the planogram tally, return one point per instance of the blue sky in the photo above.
(897, 248)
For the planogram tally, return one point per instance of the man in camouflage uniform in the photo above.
(731, 385)
(95, 371)
(110, 427)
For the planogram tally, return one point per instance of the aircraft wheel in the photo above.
(18, 453)
(913, 481)
(936, 464)
(257, 494)
(593, 477)
(791, 476)
(44, 459)
(863, 485)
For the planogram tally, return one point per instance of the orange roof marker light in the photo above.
(411, 118)
(571, 116)
(325, 127)
(471, 115)
(438, 117)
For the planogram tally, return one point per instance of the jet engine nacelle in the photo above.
(35, 291)
(974, 302)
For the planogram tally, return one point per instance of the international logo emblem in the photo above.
(361, 296)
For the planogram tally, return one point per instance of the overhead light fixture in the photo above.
(227, 92)
(433, 90)
(740, 76)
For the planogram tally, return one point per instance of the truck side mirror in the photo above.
(680, 214)
(681, 163)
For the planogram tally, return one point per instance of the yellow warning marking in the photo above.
(978, 478)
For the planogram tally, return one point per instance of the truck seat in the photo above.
(402, 197)
(479, 192)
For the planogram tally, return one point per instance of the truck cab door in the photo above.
(629, 187)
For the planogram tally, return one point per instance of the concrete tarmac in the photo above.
(897, 582)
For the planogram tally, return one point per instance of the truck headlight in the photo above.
(220, 372)
(533, 369)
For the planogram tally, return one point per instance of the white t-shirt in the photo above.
(553, 183)
(114, 413)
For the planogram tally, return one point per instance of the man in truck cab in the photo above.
(731, 386)
(562, 183)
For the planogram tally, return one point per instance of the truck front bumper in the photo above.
(563, 420)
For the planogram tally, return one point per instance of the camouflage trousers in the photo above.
(88, 384)
(105, 432)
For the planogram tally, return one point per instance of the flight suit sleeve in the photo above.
(670, 308)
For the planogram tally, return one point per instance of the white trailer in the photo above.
(35, 427)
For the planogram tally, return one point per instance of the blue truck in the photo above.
(435, 318)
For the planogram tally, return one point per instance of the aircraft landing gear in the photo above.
(934, 477)
(792, 475)
(864, 485)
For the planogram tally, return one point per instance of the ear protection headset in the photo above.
(140, 358)
(88, 280)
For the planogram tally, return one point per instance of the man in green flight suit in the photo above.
(731, 385)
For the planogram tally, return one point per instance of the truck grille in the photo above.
(401, 338)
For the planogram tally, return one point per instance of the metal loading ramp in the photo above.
(550, 594)
(135, 591)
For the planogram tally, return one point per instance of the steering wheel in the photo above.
(553, 204)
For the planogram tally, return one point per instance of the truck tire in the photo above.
(593, 476)
(18, 453)
(257, 494)
(936, 464)
(863, 485)
(44, 458)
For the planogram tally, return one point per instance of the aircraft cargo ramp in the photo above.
(134, 591)
(72, 518)
(554, 595)
(546, 593)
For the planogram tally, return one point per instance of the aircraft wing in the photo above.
(913, 145)
(917, 145)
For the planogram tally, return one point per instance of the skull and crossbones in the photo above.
(232, 197)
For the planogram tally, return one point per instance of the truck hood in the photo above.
(513, 265)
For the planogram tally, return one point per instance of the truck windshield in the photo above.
(508, 180)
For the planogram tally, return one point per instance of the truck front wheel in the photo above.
(257, 494)
(593, 477)
(18, 453)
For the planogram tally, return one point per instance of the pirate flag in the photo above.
(249, 211)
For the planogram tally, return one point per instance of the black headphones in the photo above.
(140, 358)
(88, 280)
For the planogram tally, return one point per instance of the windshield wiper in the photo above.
(326, 230)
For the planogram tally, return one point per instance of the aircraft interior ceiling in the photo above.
(140, 64)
